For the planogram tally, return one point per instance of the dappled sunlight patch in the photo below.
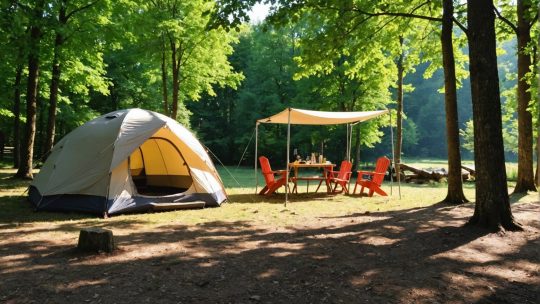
(208, 264)
(24, 267)
(394, 228)
(417, 294)
(269, 273)
(238, 248)
(468, 254)
(425, 228)
(471, 286)
(14, 258)
(364, 279)
(321, 257)
(73, 286)
(519, 271)
(333, 235)
(282, 254)
(283, 249)
(377, 241)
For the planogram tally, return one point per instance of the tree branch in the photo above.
(460, 25)
(76, 10)
(408, 15)
(508, 22)
(533, 21)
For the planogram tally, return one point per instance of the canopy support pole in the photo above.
(256, 156)
(349, 141)
(288, 157)
(393, 159)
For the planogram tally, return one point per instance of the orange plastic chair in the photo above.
(272, 184)
(341, 177)
(376, 178)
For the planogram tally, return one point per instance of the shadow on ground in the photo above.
(421, 255)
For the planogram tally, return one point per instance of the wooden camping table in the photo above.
(325, 166)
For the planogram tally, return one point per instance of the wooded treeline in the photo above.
(67, 61)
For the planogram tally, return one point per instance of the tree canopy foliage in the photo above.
(195, 60)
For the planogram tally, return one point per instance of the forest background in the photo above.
(100, 56)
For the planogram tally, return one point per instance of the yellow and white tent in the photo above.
(127, 161)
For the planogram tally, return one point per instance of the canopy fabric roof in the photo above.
(309, 117)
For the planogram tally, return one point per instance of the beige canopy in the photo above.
(309, 117)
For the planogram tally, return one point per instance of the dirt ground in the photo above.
(421, 255)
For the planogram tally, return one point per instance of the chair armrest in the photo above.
(281, 172)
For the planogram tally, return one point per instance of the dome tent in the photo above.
(127, 161)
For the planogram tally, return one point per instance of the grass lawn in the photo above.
(243, 203)
(318, 248)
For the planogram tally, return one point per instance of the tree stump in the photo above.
(96, 240)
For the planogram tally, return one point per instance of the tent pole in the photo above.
(256, 155)
(287, 163)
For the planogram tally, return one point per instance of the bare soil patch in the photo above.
(420, 255)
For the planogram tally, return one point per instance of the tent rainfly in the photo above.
(292, 116)
(127, 161)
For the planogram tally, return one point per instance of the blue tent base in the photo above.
(101, 206)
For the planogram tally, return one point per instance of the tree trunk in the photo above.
(538, 158)
(356, 165)
(40, 125)
(536, 63)
(455, 185)
(164, 81)
(399, 119)
(27, 149)
(175, 64)
(525, 174)
(17, 113)
(55, 83)
(492, 208)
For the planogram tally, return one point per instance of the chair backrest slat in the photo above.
(266, 170)
(345, 170)
(381, 167)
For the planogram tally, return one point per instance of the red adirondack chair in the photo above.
(341, 177)
(272, 184)
(376, 178)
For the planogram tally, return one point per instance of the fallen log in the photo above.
(469, 169)
(420, 176)
(433, 174)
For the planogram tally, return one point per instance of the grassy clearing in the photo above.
(244, 205)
